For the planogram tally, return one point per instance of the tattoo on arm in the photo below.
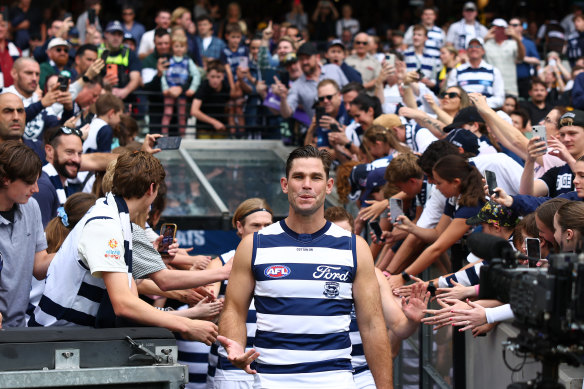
(437, 124)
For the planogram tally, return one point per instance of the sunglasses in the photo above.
(450, 95)
(475, 46)
(514, 24)
(328, 97)
(61, 49)
(361, 43)
(66, 131)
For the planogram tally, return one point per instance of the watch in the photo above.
(85, 78)
(406, 276)
(348, 145)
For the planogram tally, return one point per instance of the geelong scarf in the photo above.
(56, 181)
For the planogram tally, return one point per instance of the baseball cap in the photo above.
(465, 139)
(475, 39)
(58, 42)
(388, 120)
(493, 213)
(572, 118)
(470, 6)
(500, 23)
(375, 179)
(364, 178)
(306, 49)
(129, 36)
(336, 42)
(114, 26)
(465, 115)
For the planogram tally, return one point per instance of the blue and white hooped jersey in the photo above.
(303, 298)
(479, 80)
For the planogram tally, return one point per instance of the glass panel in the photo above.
(186, 196)
(237, 175)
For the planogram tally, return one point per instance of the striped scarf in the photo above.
(56, 181)
(106, 317)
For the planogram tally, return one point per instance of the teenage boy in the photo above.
(90, 280)
(22, 240)
(108, 110)
(234, 55)
(211, 98)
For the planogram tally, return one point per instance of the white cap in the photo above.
(58, 42)
(475, 38)
(500, 23)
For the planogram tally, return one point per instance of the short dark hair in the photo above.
(233, 28)
(160, 32)
(363, 101)
(433, 153)
(309, 152)
(353, 86)
(206, 17)
(83, 48)
(135, 172)
(106, 102)
(18, 162)
(537, 81)
(215, 65)
(521, 113)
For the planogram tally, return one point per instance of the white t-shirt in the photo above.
(101, 247)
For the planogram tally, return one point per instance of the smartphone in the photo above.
(420, 73)
(539, 131)
(111, 69)
(168, 143)
(320, 112)
(533, 248)
(334, 128)
(243, 63)
(390, 59)
(63, 83)
(396, 209)
(552, 62)
(91, 15)
(374, 224)
(491, 178)
(105, 54)
(168, 232)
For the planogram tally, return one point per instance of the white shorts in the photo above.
(226, 384)
(364, 380)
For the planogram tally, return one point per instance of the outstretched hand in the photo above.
(237, 355)
(414, 306)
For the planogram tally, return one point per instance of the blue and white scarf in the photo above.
(56, 181)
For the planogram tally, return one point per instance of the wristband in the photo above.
(432, 289)
(477, 289)
(85, 78)
(406, 276)
(348, 145)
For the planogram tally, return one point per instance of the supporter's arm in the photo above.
(427, 235)
(96, 161)
(410, 245)
(449, 236)
(435, 126)
(186, 296)
(135, 81)
(410, 89)
(238, 297)
(369, 318)
(183, 279)
(520, 48)
(287, 97)
(203, 117)
(42, 260)
(310, 138)
(528, 185)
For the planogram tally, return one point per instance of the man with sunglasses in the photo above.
(364, 63)
(58, 61)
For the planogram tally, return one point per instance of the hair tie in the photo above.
(254, 211)
(63, 215)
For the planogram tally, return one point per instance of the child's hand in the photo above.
(189, 93)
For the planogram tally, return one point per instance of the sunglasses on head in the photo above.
(66, 131)
(450, 95)
(328, 97)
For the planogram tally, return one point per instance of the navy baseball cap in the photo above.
(465, 139)
(114, 26)
(465, 115)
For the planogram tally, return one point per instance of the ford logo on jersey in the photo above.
(277, 271)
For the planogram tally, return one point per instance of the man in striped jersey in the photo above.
(304, 274)
(419, 58)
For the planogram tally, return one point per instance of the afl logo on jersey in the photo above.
(277, 271)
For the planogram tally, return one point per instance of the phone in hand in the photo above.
(491, 178)
(168, 143)
(390, 59)
(111, 69)
(533, 249)
(168, 233)
(63, 83)
(91, 15)
(539, 131)
(105, 54)
(395, 209)
(374, 224)
(420, 73)
(320, 112)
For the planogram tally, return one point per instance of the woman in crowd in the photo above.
(462, 184)
(569, 226)
(450, 60)
(380, 142)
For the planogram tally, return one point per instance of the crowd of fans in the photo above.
(419, 117)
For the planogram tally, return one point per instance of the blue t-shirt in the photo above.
(454, 211)
(233, 58)
(322, 133)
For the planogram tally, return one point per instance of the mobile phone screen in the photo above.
(491, 178)
(168, 143)
(376, 230)
(168, 232)
(395, 209)
(533, 249)
(539, 131)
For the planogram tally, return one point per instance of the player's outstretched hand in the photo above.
(237, 355)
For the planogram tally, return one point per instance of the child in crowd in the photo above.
(175, 82)
(210, 99)
(108, 110)
(233, 56)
